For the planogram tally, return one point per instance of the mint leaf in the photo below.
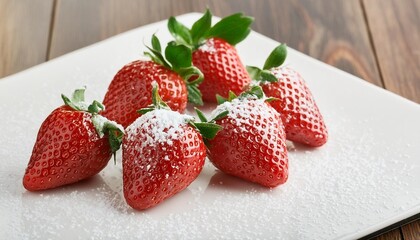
(232, 29)
(276, 57)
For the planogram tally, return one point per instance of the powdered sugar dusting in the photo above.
(208, 46)
(239, 110)
(100, 121)
(164, 126)
(323, 185)
(154, 84)
(82, 105)
(256, 83)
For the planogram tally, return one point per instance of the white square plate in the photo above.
(366, 177)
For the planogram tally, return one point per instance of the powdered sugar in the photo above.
(154, 84)
(82, 105)
(99, 122)
(279, 71)
(208, 46)
(257, 83)
(241, 109)
(162, 126)
(323, 182)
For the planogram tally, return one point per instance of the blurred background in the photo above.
(376, 40)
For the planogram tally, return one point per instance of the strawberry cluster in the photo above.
(164, 150)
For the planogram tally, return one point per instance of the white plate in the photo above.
(366, 177)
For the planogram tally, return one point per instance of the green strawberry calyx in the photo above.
(225, 105)
(254, 92)
(233, 29)
(157, 102)
(103, 126)
(178, 58)
(207, 129)
(275, 59)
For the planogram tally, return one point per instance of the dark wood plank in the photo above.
(391, 235)
(338, 38)
(411, 231)
(396, 35)
(24, 31)
(80, 23)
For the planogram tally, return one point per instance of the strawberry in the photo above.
(163, 152)
(130, 89)
(300, 114)
(214, 52)
(252, 143)
(73, 143)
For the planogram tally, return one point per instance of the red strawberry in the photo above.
(222, 69)
(73, 143)
(131, 89)
(252, 143)
(163, 152)
(300, 114)
(214, 52)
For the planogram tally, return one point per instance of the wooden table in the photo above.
(376, 40)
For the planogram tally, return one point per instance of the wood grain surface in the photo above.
(375, 40)
(395, 29)
(339, 38)
(391, 235)
(411, 231)
(24, 33)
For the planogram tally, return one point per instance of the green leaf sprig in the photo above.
(275, 59)
(213, 128)
(207, 129)
(233, 29)
(102, 125)
(178, 58)
(253, 92)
